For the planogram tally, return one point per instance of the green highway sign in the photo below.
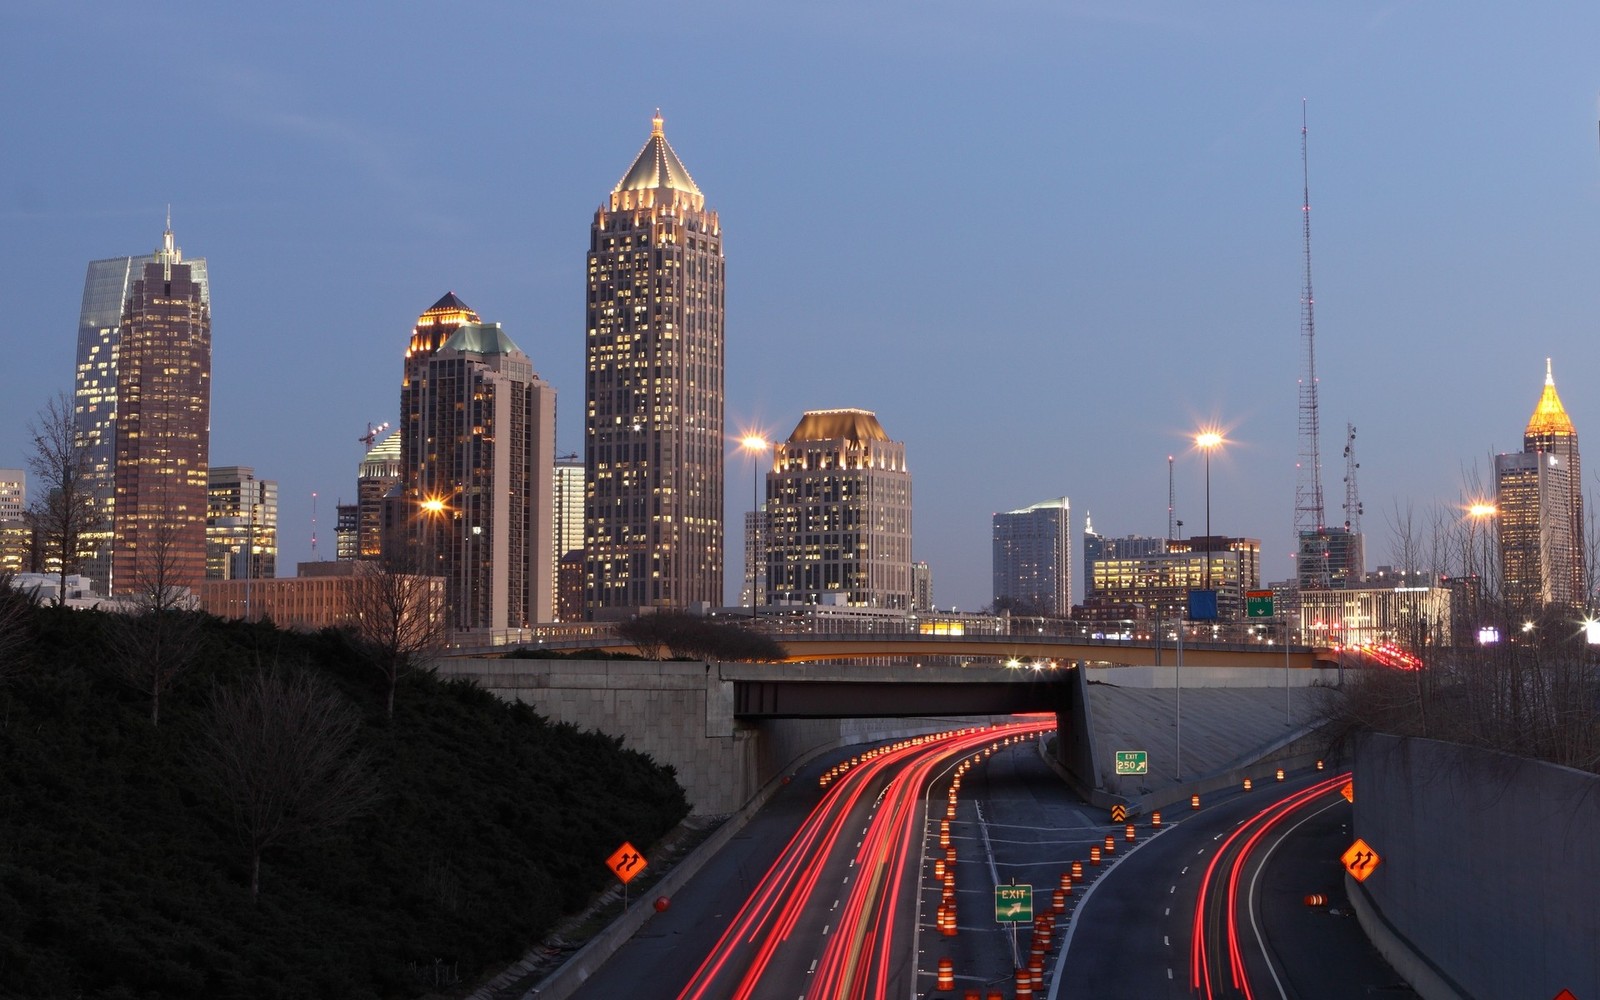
(1013, 904)
(1258, 604)
(1133, 762)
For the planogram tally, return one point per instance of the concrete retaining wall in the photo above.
(1490, 864)
(679, 713)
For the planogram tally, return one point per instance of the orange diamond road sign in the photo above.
(1566, 995)
(626, 862)
(1348, 791)
(1360, 860)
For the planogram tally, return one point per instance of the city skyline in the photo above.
(1074, 291)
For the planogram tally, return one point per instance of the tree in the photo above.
(681, 634)
(398, 614)
(65, 511)
(16, 609)
(156, 642)
(281, 750)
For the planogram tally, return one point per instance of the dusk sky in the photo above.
(1043, 241)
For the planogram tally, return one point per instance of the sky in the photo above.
(1045, 241)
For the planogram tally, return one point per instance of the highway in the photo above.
(850, 885)
(1216, 906)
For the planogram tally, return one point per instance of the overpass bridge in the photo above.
(1014, 650)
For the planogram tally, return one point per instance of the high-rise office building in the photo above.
(921, 587)
(1032, 558)
(653, 446)
(1330, 558)
(15, 533)
(1533, 494)
(346, 530)
(1550, 432)
(484, 451)
(1097, 547)
(838, 503)
(567, 517)
(756, 533)
(106, 287)
(162, 427)
(241, 525)
(379, 474)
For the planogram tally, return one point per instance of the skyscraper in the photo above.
(380, 472)
(1539, 499)
(839, 514)
(1550, 431)
(653, 448)
(105, 296)
(567, 511)
(13, 494)
(162, 427)
(484, 447)
(1032, 559)
(241, 525)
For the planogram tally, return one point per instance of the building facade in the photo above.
(1097, 547)
(322, 595)
(1330, 558)
(106, 287)
(379, 475)
(1159, 583)
(1533, 497)
(1032, 558)
(838, 504)
(484, 452)
(653, 413)
(162, 427)
(567, 510)
(921, 586)
(241, 525)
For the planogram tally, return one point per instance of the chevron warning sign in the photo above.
(1119, 813)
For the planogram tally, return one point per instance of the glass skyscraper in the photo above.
(105, 296)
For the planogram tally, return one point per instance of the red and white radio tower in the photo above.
(1308, 510)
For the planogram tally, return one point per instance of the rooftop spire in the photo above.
(657, 166)
(168, 253)
(1549, 417)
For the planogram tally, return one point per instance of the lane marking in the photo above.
(826, 929)
(1166, 940)
(813, 967)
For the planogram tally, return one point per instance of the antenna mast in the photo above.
(1352, 496)
(1308, 511)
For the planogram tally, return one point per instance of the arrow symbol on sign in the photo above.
(627, 863)
(1361, 860)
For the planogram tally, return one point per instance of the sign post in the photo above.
(1013, 904)
(626, 862)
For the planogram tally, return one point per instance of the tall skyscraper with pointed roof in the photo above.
(106, 287)
(1539, 498)
(653, 420)
(162, 427)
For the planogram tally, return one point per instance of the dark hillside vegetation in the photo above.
(125, 870)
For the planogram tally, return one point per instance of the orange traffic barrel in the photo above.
(938, 869)
(950, 855)
(970, 995)
(947, 974)
(1319, 765)
(1194, 801)
(950, 812)
(1036, 973)
(1058, 900)
(1155, 818)
(1024, 985)
(1247, 784)
(1111, 844)
(1316, 899)
(1077, 869)
(1129, 833)
(1094, 855)
(944, 833)
(1280, 774)
(995, 995)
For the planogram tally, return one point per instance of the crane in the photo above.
(374, 432)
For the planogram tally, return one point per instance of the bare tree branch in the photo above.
(64, 511)
(281, 748)
(156, 643)
(398, 614)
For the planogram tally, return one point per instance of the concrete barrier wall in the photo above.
(679, 713)
(1490, 864)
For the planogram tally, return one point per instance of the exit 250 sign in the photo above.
(1133, 761)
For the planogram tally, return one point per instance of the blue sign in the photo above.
(1202, 605)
